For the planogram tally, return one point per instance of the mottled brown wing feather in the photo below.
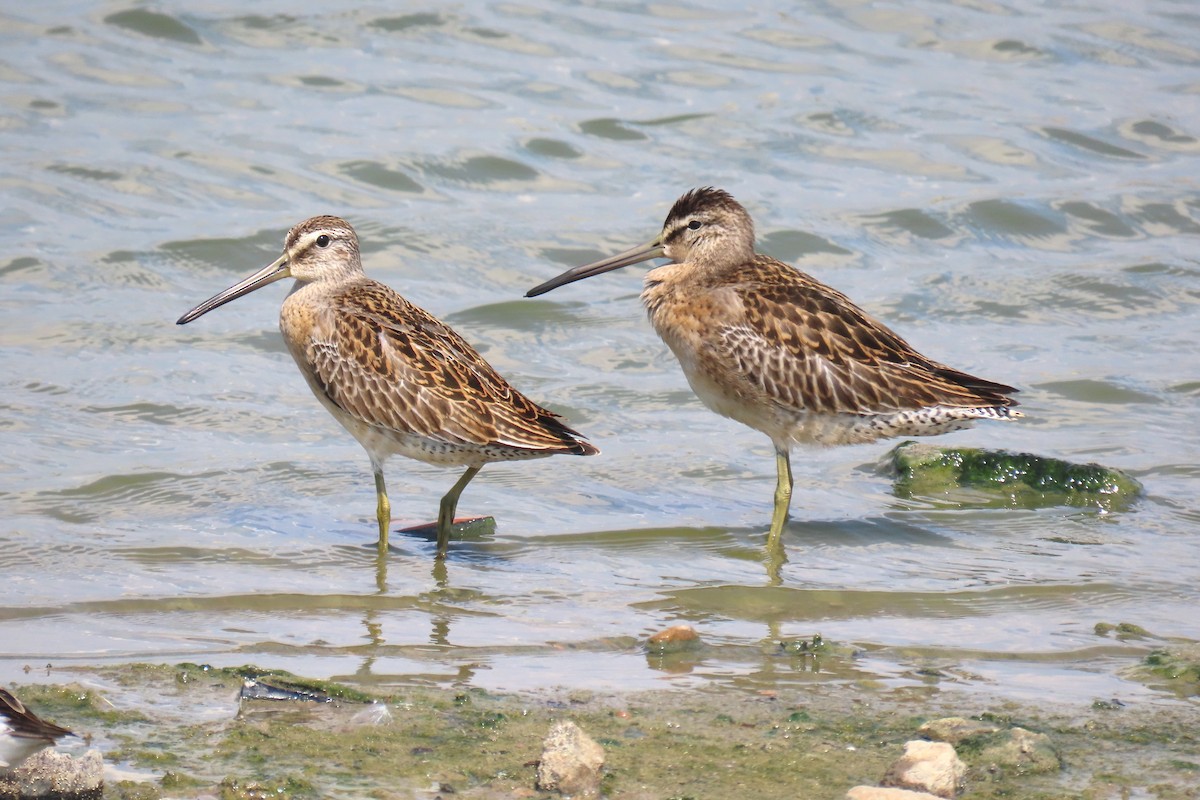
(394, 365)
(810, 347)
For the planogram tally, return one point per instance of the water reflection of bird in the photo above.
(775, 349)
(400, 380)
(23, 733)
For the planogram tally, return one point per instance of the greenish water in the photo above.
(1011, 186)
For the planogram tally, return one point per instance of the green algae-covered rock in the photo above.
(1174, 667)
(1124, 631)
(1015, 750)
(998, 477)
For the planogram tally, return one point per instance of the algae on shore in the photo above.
(185, 729)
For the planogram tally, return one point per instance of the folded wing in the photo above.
(395, 366)
(808, 347)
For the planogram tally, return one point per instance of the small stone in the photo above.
(931, 767)
(675, 639)
(571, 762)
(953, 730)
(52, 773)
(1022, 750)
(887, 793)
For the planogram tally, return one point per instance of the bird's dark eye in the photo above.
(695, 224)
(322, 241)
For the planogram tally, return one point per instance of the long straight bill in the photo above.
(274, 271)
(635, 255)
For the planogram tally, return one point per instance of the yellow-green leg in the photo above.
(446, 511)
(783, 496)
(383, 510)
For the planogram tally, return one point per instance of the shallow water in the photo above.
(1011, 185)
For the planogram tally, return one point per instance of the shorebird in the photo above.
(396, 377)
(23, 733)
(775, 349)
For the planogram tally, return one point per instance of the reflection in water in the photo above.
(436, 605)
(374, 628)
(439, 633)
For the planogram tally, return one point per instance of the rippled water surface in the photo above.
(1012, 185)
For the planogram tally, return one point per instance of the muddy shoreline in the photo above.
(190, 731)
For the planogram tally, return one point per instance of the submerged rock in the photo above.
(571, 762)
(1175, 667)
(1123, 631)
(1017, 479)
(805, 647)
(931, 767)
